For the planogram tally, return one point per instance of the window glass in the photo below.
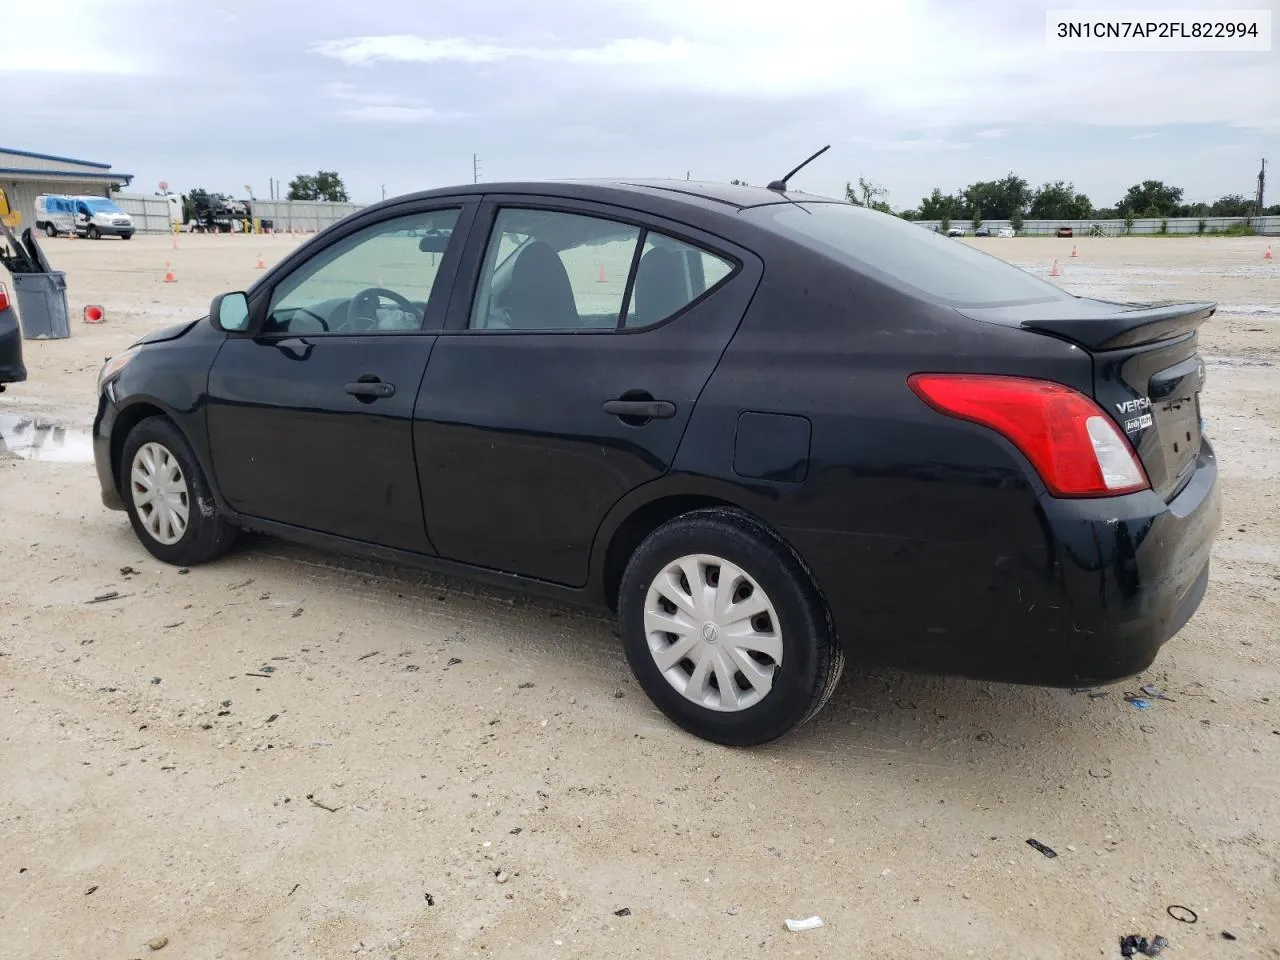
(376, 280)
(671, 275)
(906, 255)
(553, 271)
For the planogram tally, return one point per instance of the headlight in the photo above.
(114, 365)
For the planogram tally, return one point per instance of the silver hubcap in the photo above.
(160, 493)
(713, 632)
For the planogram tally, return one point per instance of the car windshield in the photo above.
(905, 256)
(99, 205)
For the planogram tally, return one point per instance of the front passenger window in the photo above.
(377, 280)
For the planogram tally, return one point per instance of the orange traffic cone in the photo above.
(168, 273)
(1267, 255)
(261, 265)
(1073, 251)
(601, 278)
(1054, 271)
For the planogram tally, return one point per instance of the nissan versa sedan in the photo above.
(770, 430)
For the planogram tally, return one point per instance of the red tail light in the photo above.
(1075, 447)
(4, 297)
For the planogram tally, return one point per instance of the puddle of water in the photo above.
(30, 439)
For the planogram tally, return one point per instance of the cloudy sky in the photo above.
(910, 93)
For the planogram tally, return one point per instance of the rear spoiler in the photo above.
(1126, 328)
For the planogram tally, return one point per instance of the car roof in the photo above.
(699, 193)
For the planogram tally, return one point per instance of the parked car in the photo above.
(1063, 232)
(955, 231)
(768, 429)
(12, 369)
(55, 214)
(982, 232)
(98, 217)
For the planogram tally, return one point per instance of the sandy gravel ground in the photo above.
(492, 782)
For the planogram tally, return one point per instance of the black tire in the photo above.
(812, 659)
(50, 230)
(126, 236)
(93, 233)
(207, 535)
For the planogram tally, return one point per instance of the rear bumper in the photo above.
(103, 423)
(1092, 601)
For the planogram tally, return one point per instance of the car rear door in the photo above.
(309, 418)
(565, 375)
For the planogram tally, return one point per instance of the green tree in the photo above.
(937, 205)
(739, 183)
(1232, 205)
(1152, 195)
(977, 220)
(997, 199)
(1059, 201)
(945, 223)
(868, 194)
(323, 185)
(1015, 221)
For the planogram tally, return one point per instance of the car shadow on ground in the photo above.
(911, 718)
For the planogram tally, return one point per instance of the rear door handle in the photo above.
(366, 388)
(641, 409)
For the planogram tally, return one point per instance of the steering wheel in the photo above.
(362, 314)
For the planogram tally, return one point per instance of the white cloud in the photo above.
(911, 144)
(991, 134)
(377, 107)
(910, 60)
(1143, 136)
(50, 37)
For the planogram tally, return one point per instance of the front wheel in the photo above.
(167, 497)
(726, 631)
(126, 236)
(94, 233)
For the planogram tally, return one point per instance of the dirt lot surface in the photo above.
(287, 754)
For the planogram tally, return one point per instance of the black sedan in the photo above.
(768, 429)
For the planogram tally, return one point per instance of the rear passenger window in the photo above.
(671, 275)
(547, 270)
(554, 271)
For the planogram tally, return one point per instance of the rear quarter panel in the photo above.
(908, 519)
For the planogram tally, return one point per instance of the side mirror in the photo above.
(229, 312)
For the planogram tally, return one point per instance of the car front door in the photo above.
(566, 377)
(309, 415)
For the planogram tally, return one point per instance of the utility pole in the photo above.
(1262, 185)
(475, 168)
(384, 191)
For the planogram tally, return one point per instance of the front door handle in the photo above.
(370, 388)
(641, 409)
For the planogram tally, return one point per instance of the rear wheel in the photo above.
(50, 230)
(725, 630)
(167, 497)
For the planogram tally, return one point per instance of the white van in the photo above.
(98, 217)
(55, 214)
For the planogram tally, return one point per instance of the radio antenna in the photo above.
(781, 185)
